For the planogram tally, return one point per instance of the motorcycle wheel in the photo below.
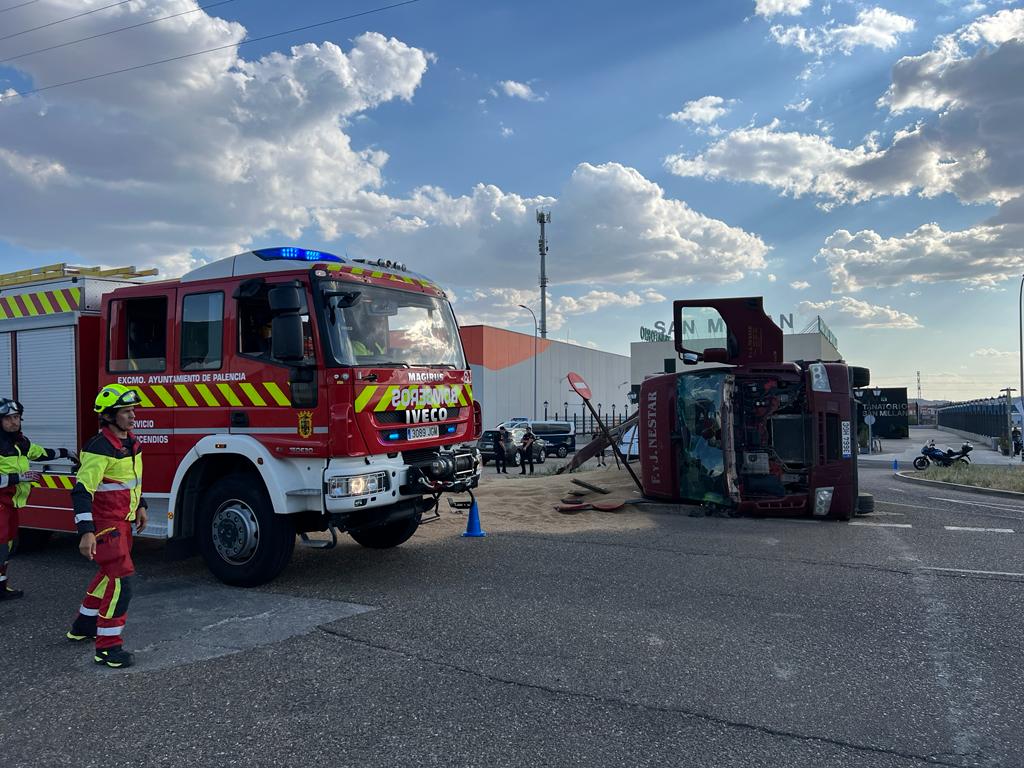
(963, 461)
(920, 463)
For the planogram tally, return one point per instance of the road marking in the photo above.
(880, 525)
(899, 504)
(980, 530)
(1004, 507)
(965, 570)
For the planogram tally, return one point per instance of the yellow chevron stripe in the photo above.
(15, 310)
(143, 397)
(385, 399)
(44, 300)
(207, 395)
(33, 311)
(67, 481)
(3, 310)
(185, 395)
(229, 394)
(61, 301)
(364, 397)
(252, 394)
(469, 391)
(49, 481)
(275, 392)
(461, 394)
(163, 394)
(76, 296)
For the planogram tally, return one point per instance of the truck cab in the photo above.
(745, 430)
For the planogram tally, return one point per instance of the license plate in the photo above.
(423, 433)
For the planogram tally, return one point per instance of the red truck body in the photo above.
(283, 391)
(751, 432)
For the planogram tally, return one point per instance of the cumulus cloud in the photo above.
(992, 353)
(522, 91)
(172, 166)
(769, 8)
(800, 106)
(609, 224)
(969, 147)
(799, 285)
(859, 314)
(703, 111)
(874, 27)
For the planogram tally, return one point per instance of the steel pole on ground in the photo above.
(534, 316)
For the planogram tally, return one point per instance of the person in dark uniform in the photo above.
(526, 452)
(500, 461)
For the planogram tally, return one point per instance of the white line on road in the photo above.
(1004, 507)
(880, 525)
(900, 504)
(980, 530)
(965, 570)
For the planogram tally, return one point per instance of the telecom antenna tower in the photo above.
(543, 217)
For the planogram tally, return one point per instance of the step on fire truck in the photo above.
(744, 430)
(283, 391)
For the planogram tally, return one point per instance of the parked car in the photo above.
(487, 440)
(559, 436)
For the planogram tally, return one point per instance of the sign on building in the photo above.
(889, 407)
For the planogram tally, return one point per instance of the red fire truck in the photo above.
(283, 391)
(745, 430)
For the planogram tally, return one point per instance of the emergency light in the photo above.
(295, 254)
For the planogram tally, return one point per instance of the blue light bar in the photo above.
(450, 429)
(394, 435)
(295, 254)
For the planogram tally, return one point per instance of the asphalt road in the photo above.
(692, 642)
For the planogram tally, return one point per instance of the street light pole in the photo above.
(534, 316)
(1020, 326)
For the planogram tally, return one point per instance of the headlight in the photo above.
(822, 501)
(358, 485)
(819, 378)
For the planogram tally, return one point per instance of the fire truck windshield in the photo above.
(381, 327)
(702, 460)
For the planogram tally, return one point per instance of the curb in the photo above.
(957, 487)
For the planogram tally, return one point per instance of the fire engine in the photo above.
(747, 431)
(283, 390)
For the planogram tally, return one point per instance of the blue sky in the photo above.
(861, 161)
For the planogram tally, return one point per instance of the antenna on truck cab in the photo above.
(56, 271)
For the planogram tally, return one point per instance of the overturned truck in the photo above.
(744, 430)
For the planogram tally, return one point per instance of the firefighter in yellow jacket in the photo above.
(107, 499)
(16, 479)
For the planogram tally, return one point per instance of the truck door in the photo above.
(748, 336)
(139, 351)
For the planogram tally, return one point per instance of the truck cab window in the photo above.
(202, 325)
(138, 335)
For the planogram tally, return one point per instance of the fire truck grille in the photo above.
(398, 417)
(418, 455)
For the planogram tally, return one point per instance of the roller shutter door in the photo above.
(6, 366)
(47, 385)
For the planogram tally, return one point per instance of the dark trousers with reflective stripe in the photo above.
(110, 591)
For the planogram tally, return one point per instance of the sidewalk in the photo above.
(905, 451)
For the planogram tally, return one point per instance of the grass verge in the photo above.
(1001, 478)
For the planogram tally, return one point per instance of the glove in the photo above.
(30, 477)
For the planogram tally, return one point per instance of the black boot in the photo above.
(115, 657)
(82, 628)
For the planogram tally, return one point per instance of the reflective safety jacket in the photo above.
(15, 453)
(109, 487)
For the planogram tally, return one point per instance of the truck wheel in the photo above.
(562, 452)
(859, 377)
(32, 539)
(865, 503)
(387, 536)
(241, 539)
(920, 463)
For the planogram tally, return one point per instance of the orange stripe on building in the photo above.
(496, 348)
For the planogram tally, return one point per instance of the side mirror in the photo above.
(286, 338)
(690, 358)
(716, 355)
(284, 299)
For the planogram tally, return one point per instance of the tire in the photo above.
(920, 463)
(387, 536)
(562, 452)
(859, 377)
(242, 541)
(32, 539)
(961, 462)
(865, 504)
(542, 458)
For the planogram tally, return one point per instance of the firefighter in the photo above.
(16, 479)
(107, 499)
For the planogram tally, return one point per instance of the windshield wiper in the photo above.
(447, 366)
(388, 364)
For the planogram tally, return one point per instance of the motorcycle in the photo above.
(931, 454)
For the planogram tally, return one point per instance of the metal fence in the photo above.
(980, 417)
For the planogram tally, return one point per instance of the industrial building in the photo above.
(505, 365)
